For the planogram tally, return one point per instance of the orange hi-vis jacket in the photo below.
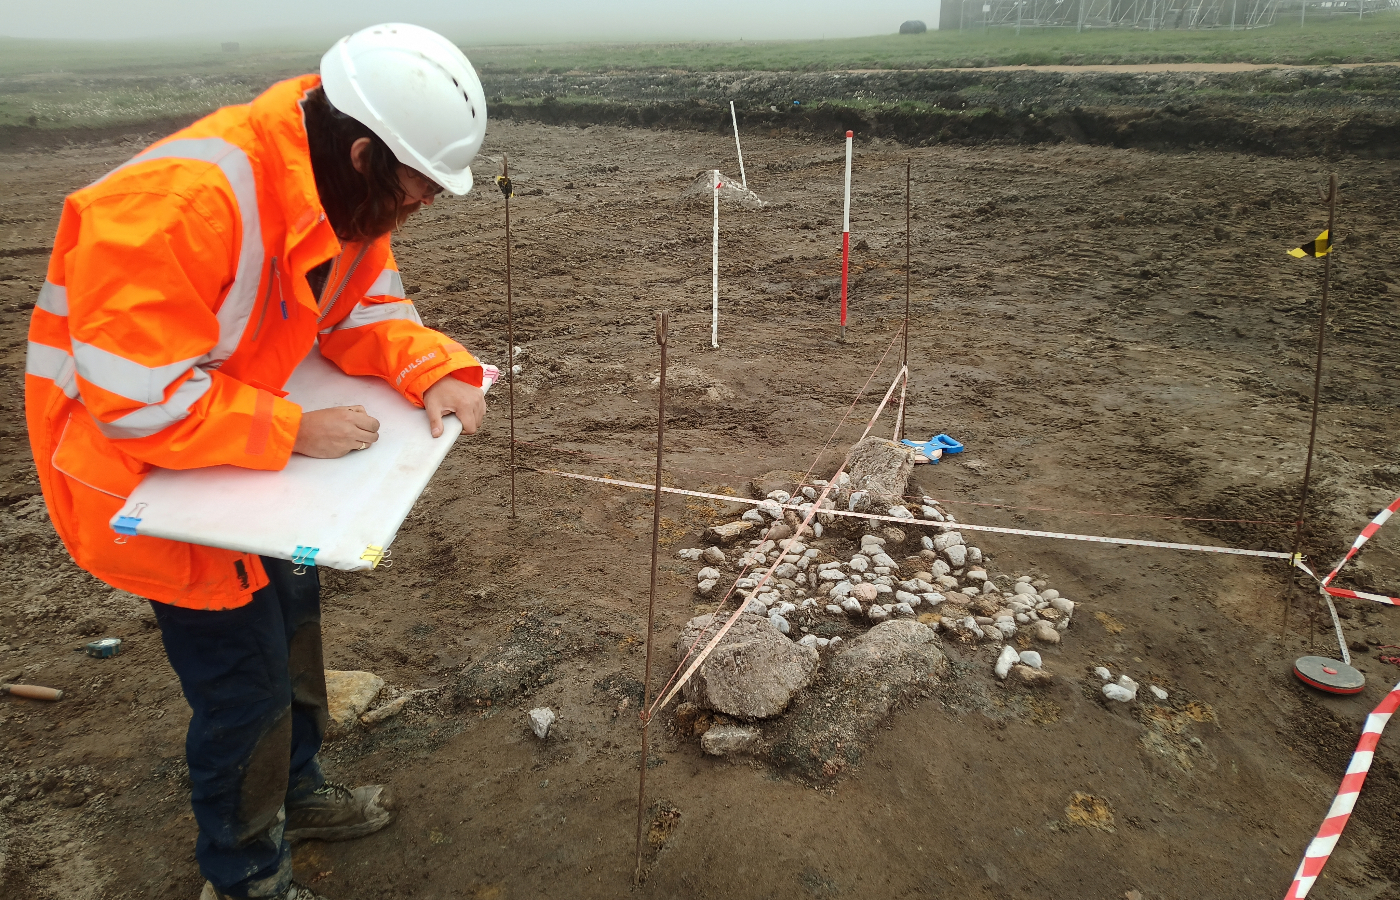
(175, 308)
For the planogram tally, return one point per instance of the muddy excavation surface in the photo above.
(1115, 335)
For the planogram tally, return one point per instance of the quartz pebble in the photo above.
(957, 555)
(835, 610)
(753, 515)
(1116, 692)
(859, 563)
(706, 587)
(541, 720)
(947, 539)
(1023, 589)
(851, 605)
(1031, 658)
(1103, 673)
(707, 574)
(903, 610)
(974, 555)
(1157, 692)
(1008, 658)
(927, 542)
(754, 607)
(691, 553)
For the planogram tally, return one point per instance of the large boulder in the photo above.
(754, 671)
(881, 469)
(913, 26)
(828, 726)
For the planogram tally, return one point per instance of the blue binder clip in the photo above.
(939, 442)
(126, 525)
(303, 557)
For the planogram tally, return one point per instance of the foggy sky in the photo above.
(467, 21)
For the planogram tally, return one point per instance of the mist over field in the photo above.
(473, 22)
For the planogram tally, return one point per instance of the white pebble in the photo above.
(1103, 673)
(851, 605)
(808, 640)
(779, 623)
(691, 553)
(1157, 692)
(541, 720)
(927, 542)
(1115, 692)
(1008, 658)
(1031, 658)
(707, 574)
(836, 610)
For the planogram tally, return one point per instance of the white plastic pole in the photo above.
(714, 269)
(845, 235)
(735, 116)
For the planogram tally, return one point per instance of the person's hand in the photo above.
(449, 395)
(332, 433)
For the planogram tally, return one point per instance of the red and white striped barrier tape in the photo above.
(946, 526)
(1363, 537)
(1322, 846)
(1362, 595)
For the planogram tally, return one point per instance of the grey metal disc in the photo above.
(1331, 675)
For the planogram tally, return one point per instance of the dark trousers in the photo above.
(254, 680)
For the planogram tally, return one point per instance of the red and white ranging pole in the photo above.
(846, 235)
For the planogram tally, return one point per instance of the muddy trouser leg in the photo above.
(234, 670)
(300, 597)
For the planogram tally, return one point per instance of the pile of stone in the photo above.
(944, 583)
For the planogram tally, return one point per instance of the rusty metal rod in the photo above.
(663, 325)
(1330, 198)
(908, 181)
(509, 191)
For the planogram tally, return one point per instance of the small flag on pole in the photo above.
(1320, 247)
(503, 182)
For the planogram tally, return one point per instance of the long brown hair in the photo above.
(360, 206)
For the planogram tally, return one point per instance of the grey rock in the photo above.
(541, 720)
(884, 559)
(905, 597)
(754, 671)
(830, 575)
(706, 574)
(754, 516)
(779, 622)
(714, 556)
(1044, 632)
(851, 605)
(974, 556)
(836, 610)
(1063, 605)
(728, 533)
(859, 563)
(1023, 589)
(785, 570)
(947, 539)
(867, 676)
(706, 587)
(780, 496)
(956, 555)
(881, 468)
(755, 608)
(690, 553)
(1049, 594)
(841, 589)
(771, 508)
(939, 568)
(731, 740)
(902, 610)
(977, 575)
(878, 613)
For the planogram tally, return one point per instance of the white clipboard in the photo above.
(340, 513)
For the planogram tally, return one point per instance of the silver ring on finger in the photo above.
(363, 445)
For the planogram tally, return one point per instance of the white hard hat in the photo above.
(414, 89)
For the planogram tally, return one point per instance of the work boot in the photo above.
(334, 812)
(294, 891)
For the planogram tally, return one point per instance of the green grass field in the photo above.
(52, 84)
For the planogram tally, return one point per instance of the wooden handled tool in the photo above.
(31, 691)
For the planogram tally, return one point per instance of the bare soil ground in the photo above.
(1115, 334)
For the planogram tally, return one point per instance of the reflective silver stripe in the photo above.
(147, 420)
(54, 364)
(121, 376)
(388, 284)
(369, 313)
(53, 299)
(242, 295)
